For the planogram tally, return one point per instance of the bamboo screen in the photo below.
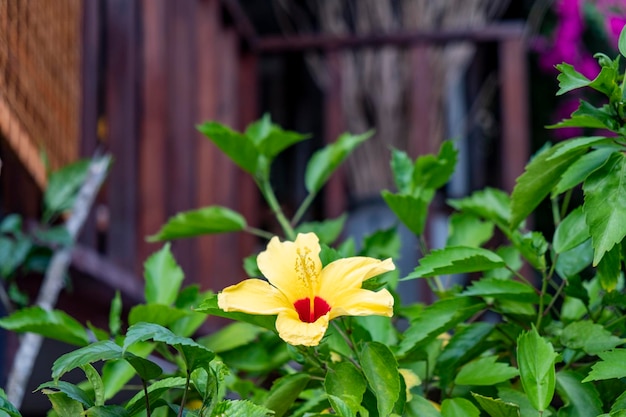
(40, 80)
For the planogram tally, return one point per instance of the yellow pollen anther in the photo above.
(305, 268)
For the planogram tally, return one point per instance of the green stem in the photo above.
(423, 247)
(270, 197)
(303, 208)
(259, 232)
(182, 403)
(556, 217)
(145, 393)
(566, 199)
(343, 335)
(544, 288)
(554, 298)
(519, 276)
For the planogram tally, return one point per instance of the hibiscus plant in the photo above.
(533, 326)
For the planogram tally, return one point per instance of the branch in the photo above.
(52, 285)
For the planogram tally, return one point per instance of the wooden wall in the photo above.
(166, 67)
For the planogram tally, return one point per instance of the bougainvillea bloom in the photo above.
(305, 296)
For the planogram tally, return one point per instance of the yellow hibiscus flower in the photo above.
(305, 296)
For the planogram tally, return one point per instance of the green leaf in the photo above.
(13, 254)
(574, 145)
(161, 314)
(609, 269)
(468, 230)
(63, 186)
(53, 324)
(490, 204)
(381, 244)
(107, 411)
(7, 407)
(485, 371)
(205, 221)
(194, 354)
(325, 161)
(436, 319)
(606, 81)
(517, 397)
(621, 43)
(571, 232)
(580, 169)
(605, 205)
(402, 168)
(570, 79)
(456, 260)
(278, 140)
(239, 148)
(98, 351)
(11, 224)
(434, 171)
(512, 259)
(258, 130)
(163, 277)
(96, 383)
(410, 210)
(155, 391)
(115, 314)
(502, 289)
(55, 236)
(230, 337)
(573, 261)
(381, 371)
(619, 404)
(532, 246)
(64, 405)
(580, 399)
(497, 407)
(466, 343)
(72, 391)
(284, 392)
(540, 176)
(536, 358)
(117, 373)
(145, 368)
(458, 407)
(240, 408)
(344, 381)
(209, 306)
(591, 337)
(421, 407)
(611, 365)
(590, 117)
(327, 231)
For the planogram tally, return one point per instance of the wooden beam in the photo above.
(101, 269)
(491, 33)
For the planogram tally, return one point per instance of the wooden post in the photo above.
(335, 201)
(154, 122)
(514, 98)
(121, 116)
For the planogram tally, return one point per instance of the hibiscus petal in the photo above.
(278, 264)
(296, 332)
(361, 302)
(253, 296)
(349, 273)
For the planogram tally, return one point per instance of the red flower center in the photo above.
(308, 311)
